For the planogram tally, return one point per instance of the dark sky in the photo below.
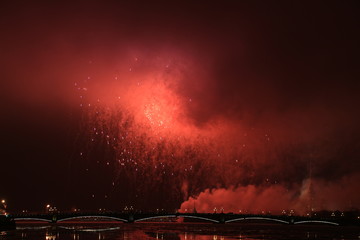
(108, 104)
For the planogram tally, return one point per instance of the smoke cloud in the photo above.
(228, 104)
(311, 195)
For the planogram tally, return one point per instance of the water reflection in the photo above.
(76, 236)
(84, 229)
(50, 236)
(176, 232)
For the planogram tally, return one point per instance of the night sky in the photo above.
(250, 105)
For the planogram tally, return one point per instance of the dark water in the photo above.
(175, 231)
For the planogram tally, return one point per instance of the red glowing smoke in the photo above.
(312, 195)
(214, 106)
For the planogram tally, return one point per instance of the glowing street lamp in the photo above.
(3, 202)
(3, 207)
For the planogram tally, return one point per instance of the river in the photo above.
(176, 231)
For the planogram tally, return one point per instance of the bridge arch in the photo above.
(32, 219)
(154, 217)
(92, 216)
(201, 218)
(257, 218)
(173, 215)
(316, 221)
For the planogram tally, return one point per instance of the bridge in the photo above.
(132, 217)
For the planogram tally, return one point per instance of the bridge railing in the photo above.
(212, 217)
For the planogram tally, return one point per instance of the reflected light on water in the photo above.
(50, 236)
(178, 232)
(76, 236)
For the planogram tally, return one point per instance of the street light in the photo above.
(47, 208)
(3, 202)
(3, 207)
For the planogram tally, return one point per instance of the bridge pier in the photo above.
(131, 218)
(222, 219)
(54, 219)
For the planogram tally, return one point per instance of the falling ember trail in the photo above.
(141, 122)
